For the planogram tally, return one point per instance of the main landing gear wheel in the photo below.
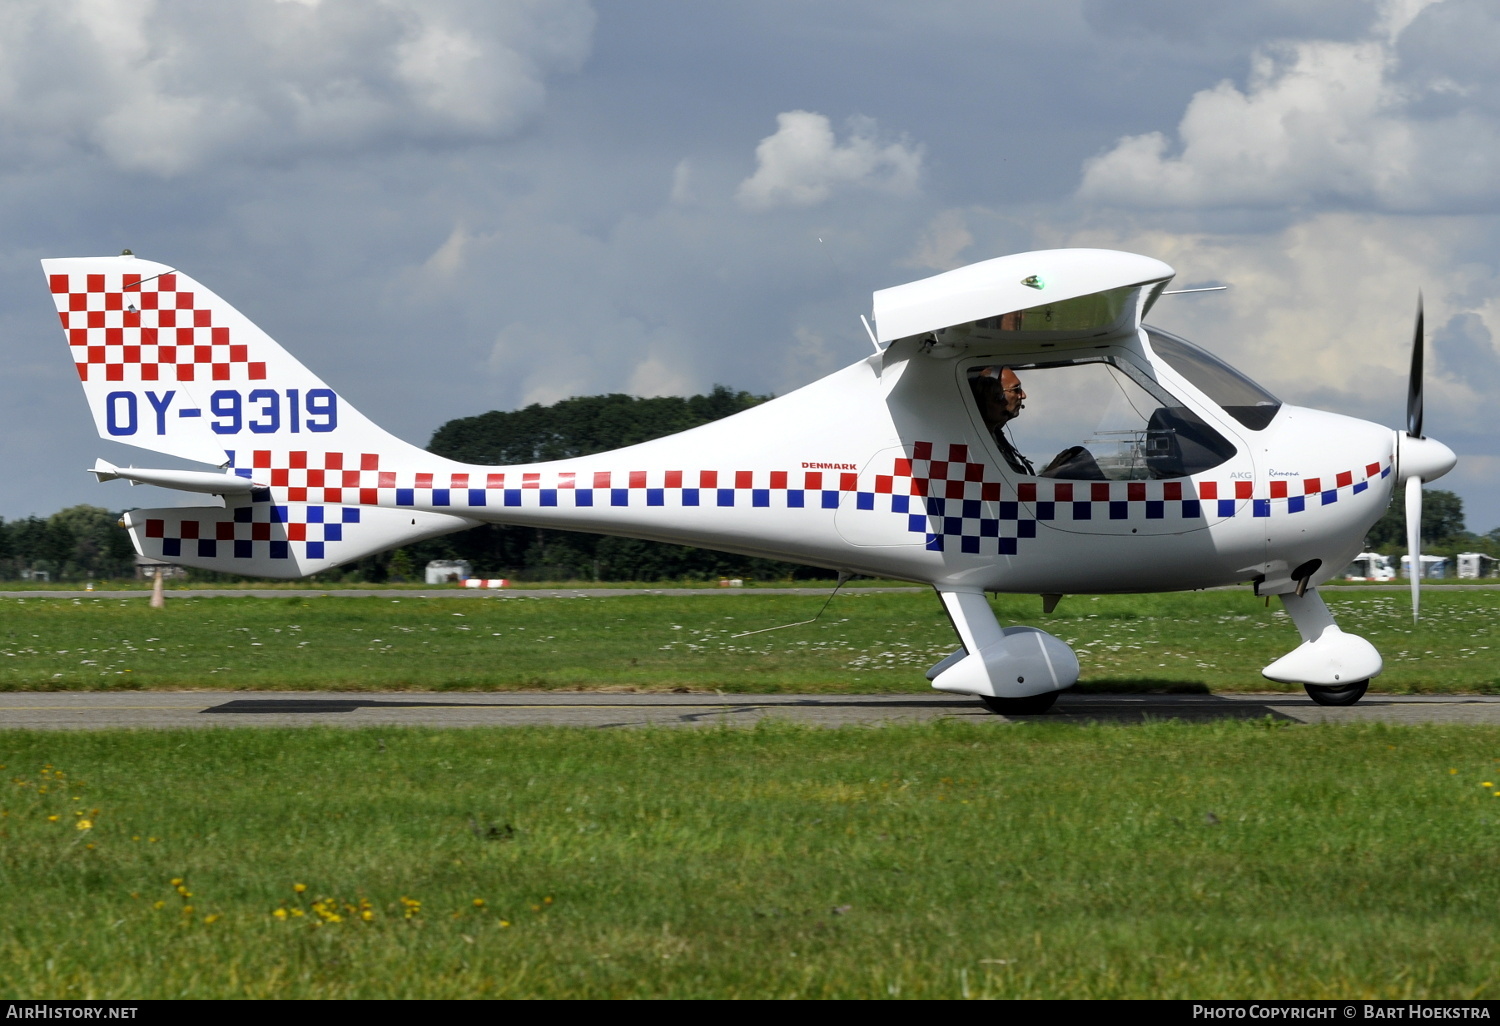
(1346, 694)
(1029, 705)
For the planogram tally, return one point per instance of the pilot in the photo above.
(1000, 397)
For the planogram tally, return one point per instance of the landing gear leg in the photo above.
(1014, 670)
(1334, 667)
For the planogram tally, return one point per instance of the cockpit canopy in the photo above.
(1054, 295)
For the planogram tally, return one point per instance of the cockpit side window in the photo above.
(1105, 420)
(1240, 397)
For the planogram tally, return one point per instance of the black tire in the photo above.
(1028, 706)
(1345, 694)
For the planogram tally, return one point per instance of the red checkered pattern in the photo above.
(308, 476)
(302, 476)
(123, 328)
(956, 477)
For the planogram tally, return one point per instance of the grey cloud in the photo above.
(1465, 350)
(165, 86)
(1228, 25)
(1447, 58)
(1331, 123)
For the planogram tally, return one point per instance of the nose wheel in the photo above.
(1346, 694)
(1030, 705)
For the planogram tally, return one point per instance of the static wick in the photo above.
(844, 575)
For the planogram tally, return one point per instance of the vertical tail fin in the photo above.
(169, 366)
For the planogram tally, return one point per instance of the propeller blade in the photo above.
(1414, 541)
(1414, 386)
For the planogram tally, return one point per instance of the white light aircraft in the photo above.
(926, 461)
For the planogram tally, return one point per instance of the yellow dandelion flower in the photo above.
(176, 881)
(90, 847)
(504, 922)
(367, 916)
(280, 913)
(211, 919)
(546, 901)
(84, 824)
(53, 819)
(187, 910)
(299, 888)
(1452, 772)
(297, 912)
(158, 904)
(137, 837)
(1487, 783)
(151, 840)
(479, 903)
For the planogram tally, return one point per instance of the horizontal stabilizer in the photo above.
(264, 539)
(182, 480)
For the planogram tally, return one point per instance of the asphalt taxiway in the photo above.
(150, 710)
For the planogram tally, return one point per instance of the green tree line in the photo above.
(1443, 530)
(78, 543)
(578, 427)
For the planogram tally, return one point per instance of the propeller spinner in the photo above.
(1418, 459)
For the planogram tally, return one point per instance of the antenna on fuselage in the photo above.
(844, 575)
(1207, 288)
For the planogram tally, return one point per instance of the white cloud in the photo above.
(940, 246)
(448, 259)
(1317, 122)
(1321, 312)
(656, 375)
(682, 183)
(165, 87)
(803, 163)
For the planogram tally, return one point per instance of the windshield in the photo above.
(1240, 397)
(1105, 420)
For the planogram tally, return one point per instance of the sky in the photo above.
(445, 207)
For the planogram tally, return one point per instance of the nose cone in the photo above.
(1426, 458)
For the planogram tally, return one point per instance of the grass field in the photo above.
(866, 642)
(1224, 860)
